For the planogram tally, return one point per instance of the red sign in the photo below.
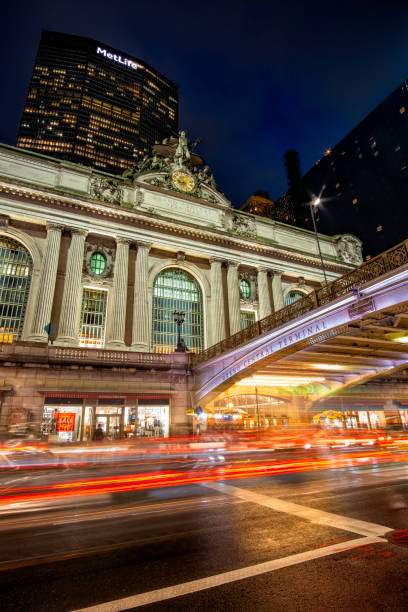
(66, 421)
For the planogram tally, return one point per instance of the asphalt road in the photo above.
(315, 540)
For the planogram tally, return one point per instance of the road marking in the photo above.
(371, 531)
(313, 515)
(149, 597)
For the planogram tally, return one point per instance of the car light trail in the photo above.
(150, 480)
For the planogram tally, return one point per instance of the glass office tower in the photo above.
(91, 104)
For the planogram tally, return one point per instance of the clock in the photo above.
(183, 181)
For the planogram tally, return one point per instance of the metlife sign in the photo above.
(116, 58)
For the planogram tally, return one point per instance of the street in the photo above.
(311, 540)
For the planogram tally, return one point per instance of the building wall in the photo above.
(86, 104)
(50, 208)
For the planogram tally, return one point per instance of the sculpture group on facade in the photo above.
(172, 154)
(349, 249)
(106, 190)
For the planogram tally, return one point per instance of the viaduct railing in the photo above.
(370, 270)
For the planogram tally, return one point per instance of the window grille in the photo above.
(175, 289)
(245, 289)
(93, 318)
(293, 296)
(16, 266)
(98, 263)
(247, 318)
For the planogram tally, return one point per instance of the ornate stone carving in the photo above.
(244, 226)
(348, 248)
(4, 222)
(181, 257)
(176, 155)
(106, 190)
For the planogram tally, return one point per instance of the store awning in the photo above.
(97, 395)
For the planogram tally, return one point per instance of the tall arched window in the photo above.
(293, 296)
(16, 266)
(175, 289)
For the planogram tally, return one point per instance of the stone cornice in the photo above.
(160, 225)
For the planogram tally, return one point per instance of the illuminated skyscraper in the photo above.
(91, 104)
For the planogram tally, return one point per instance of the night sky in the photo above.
(255, 78)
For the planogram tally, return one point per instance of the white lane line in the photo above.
(143, 599)
(313, 515)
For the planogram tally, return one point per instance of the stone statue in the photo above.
(182, 152)
(349, 249)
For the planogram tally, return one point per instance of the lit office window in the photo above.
(293, 296)
(247, 318)
(175, 289)
(93, 318)
(16, 268)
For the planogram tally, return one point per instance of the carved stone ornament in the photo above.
(243, 226)
(106, 190)
(349, 249)
(175, 166)
(109, 255)
(4, 222)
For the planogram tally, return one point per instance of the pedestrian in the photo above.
(99, 433)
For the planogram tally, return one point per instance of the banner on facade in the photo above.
(66, 421)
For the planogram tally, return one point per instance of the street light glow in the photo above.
(279, 381)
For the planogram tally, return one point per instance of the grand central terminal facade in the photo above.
(93, 268)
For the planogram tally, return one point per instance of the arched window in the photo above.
(16, 266)
(175, 289)
(293, 296)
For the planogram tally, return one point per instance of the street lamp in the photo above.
(179, 320)
(313, 207)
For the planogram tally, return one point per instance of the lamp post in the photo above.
(179, 320)
(313, 206)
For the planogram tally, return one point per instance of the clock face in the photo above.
(183, 181)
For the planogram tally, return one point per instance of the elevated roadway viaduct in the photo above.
(348, 338)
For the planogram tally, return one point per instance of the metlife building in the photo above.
(94, 105)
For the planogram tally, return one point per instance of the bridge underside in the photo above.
(366, 364)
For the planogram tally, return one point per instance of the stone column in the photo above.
(233, 298)
(118, 297)
(71, 299)
(217, 315)
(48, 275)
(141, 319)
(265, 308)
(277, 290)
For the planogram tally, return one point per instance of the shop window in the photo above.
(98, 264)
(245, 289)
(93, 318)
(247, 318)
(16, 266)
(293, 296)
(175, 289)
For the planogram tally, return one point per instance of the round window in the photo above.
(98, 263)
(245, 289)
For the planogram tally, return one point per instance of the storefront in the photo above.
(354, 417)
(248, 411)
(75, 417)
(403, 412)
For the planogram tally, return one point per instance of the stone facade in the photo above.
(51, 208)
